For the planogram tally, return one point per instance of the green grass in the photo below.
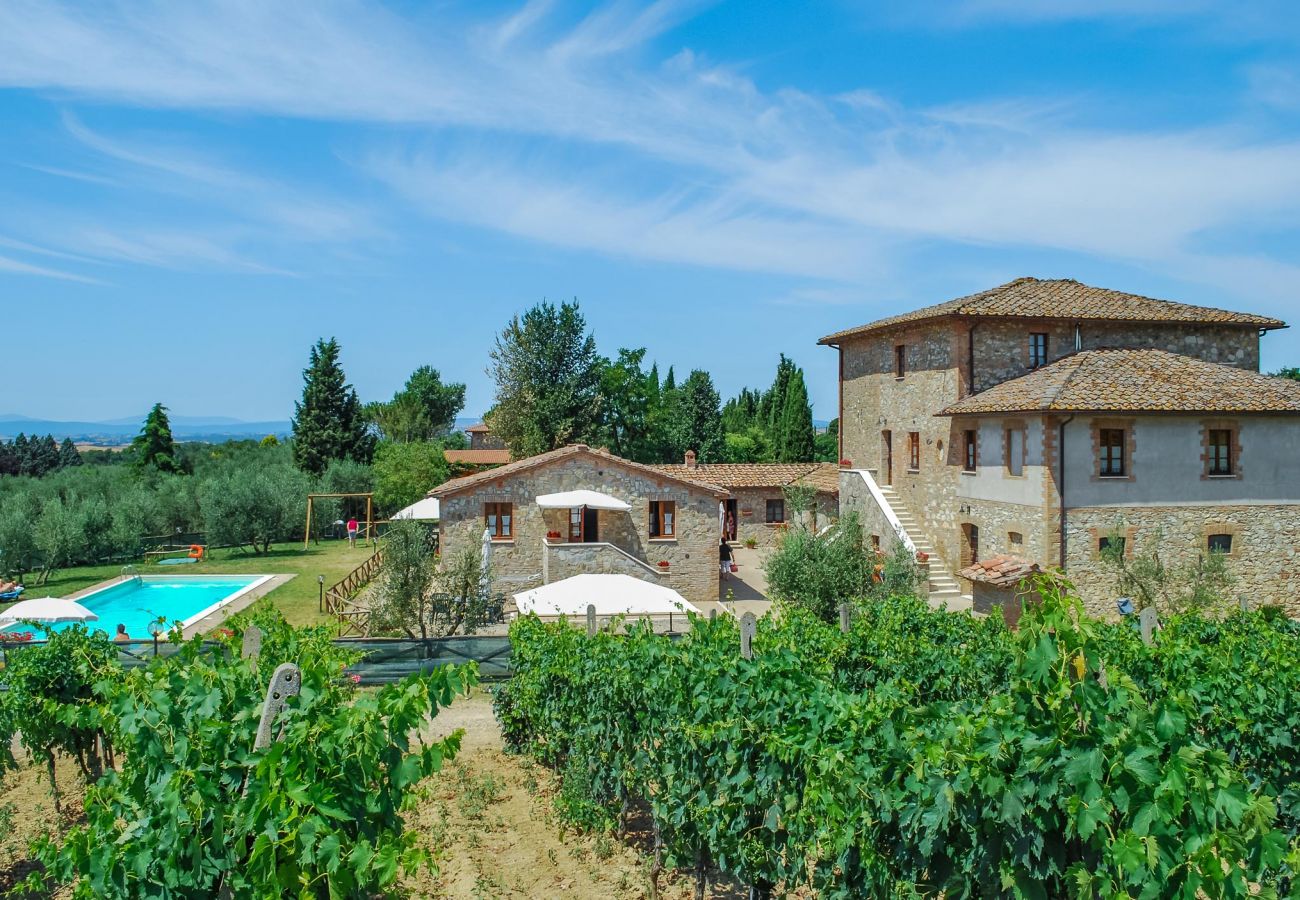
(297, 599)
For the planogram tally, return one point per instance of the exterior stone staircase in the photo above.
(944, 589)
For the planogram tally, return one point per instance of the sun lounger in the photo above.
(12, 595)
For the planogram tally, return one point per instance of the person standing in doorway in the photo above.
(352, 531)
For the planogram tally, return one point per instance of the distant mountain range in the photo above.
(118, 431)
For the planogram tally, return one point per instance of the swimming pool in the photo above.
(135, 602)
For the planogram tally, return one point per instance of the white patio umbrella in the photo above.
(49, 610)
(612, 595)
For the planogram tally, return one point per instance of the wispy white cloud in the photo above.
(603, 134)
(7, 264)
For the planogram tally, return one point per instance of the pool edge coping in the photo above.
(211, 617)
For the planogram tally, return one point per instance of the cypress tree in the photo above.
(670, 384)
(697, 421)
(328, 422)
(68, 455)
(772, 409)
(798, 440)
(154, 445)
(21, 459)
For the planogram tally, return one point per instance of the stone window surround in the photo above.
(1229, 528)
(767, 509)
(913, 452)
(1020, 425)
(1020, 543)
(900, 361)
(1129, 533)
(1230, 425)
(1130, 448)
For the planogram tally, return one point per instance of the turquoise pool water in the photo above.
(185, 599)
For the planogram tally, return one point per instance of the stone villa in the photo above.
(1042, 419)
(641, 521)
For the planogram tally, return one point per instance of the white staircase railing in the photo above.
(888, 511)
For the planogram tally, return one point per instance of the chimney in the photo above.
(690, 459)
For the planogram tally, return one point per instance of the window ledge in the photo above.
(1223, 477)
(502, 541)
(913, 471)
(970, 471)
(663, 540)
(774, 524)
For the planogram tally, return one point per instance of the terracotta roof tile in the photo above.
(467, 482)
(1000, 571)
(1135, 381)
(477, 429)
(1063, 298)
(822, 476)
(477, 457)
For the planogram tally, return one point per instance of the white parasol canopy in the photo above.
(48, 610)
(612, 595)
(575, 499)
(426, 510)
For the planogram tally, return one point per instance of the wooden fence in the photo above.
(337, 599)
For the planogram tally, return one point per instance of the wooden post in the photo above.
(845, 613)
(285, 683)
(713, 614)
(251, 648)
(1244, 603)
(1149, 622)
(748, 627)
(306, 531)
(370, 518)
(591, 619)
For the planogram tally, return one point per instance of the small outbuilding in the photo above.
(1000, 582)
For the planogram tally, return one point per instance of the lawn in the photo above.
(297, 599)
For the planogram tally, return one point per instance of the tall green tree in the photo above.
(68, 455)
(625, 396)
(697, 419)
(547, 374)
(741, 411)
(772, 407)
(328, 422)
(425, 409)
(796, 438)
(153, 446)
(406, 472)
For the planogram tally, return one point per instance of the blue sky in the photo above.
(190, 195)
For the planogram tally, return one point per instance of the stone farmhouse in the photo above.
(755, 506)
(651, 524)
(1044, 418)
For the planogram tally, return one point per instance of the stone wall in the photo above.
(751, 514)
(874, 401)
(1265, 558)
(517, 564)
(1002, 345)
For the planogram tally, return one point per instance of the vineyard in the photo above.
(931, 754)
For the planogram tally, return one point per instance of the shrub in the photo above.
(317, 814)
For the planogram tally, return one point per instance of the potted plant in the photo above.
(922, 557)
(846, 464)
(750, 542)
(663, 563)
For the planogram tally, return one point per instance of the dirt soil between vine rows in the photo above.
(490, 816)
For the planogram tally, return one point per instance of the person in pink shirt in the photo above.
(352, 531)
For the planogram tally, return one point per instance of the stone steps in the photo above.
(945, 590)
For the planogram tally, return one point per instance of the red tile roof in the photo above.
(1063, 298)
(822, 476)
(477, 457)
(467, 482)
(1000, 571)
(1135, 381)
(475, 429)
